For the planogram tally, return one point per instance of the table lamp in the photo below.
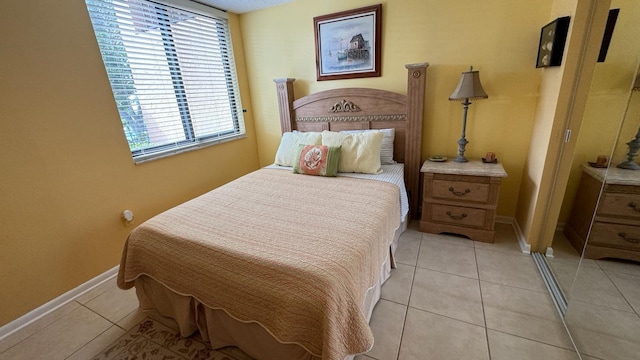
(468, 88)
(634, 144)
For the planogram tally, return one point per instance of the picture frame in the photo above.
(608, 34)
(348, 43)
(553, 37)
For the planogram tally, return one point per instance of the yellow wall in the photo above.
(66, 172)
(498, 37)
(607, 100)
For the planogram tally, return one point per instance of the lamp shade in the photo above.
(469, 87)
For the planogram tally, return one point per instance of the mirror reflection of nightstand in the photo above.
(616, 227)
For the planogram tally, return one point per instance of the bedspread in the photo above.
(293, 253)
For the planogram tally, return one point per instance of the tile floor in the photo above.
(449, 298)
(452, 298)
(604, 302)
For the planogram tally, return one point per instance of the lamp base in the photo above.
(462, 143)
(634, 147)
(461, 159)
(629, 165)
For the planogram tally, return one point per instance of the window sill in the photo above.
(191, 147)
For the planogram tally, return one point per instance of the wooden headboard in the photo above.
(364, 108)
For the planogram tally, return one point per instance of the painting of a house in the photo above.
(358, 48)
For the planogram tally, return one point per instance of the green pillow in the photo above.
(319, 160)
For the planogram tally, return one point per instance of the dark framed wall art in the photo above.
(608, 33)
(553, 37)
(348, 43)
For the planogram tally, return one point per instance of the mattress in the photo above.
(391, 173)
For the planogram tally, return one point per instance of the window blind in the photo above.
(172, 74)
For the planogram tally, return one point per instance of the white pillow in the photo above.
(288, 149)
(386, 151)
(360, 152)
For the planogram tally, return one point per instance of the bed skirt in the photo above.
(220, 329)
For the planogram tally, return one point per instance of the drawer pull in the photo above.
(456, 217)
(459, 193)
(634, 206)
(629, 239)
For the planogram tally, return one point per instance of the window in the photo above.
(172, 74)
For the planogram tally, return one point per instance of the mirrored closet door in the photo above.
(604, 226)
(595, 257)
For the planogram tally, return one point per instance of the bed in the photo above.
(282, 265)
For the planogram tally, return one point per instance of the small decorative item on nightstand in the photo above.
(437, 158)
(490, 158)
(601, 162)
(461, 198)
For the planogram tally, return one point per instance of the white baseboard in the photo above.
(524, 246)
(549, 252)
(559, 228)
(504, 219)
(56, 303)
(71, 295)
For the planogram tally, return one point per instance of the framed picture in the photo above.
(348, 43)
(553, 37)
(608, 33)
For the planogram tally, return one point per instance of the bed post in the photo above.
(285, 103)
(413, 150)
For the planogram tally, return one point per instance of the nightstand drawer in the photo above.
(627, 205)
(458, 215)
(615, 235)
(461, 191)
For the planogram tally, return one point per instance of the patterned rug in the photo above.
(151, 340)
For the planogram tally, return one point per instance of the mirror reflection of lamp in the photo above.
(634, 145)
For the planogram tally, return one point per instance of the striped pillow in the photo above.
(386, 151)
(360, 153)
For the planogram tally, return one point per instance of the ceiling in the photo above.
(242, 6)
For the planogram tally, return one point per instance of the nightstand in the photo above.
(616, 227)
(461, 198)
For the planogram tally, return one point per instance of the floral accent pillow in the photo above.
(321, 160)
